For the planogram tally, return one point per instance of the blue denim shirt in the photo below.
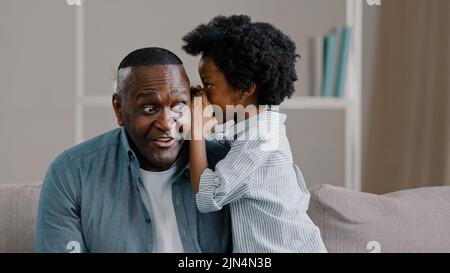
(90, 202)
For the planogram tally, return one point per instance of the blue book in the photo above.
(329, 54)
(342, 61)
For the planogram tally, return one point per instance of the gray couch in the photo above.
(416, 220)
(18, 207)
(408, 221)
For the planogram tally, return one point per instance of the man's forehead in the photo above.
(159, 77)
(155, 93)
(160, 72)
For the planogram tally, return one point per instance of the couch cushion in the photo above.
(18, 207)
(416, 220)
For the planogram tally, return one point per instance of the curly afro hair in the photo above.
(248, 52)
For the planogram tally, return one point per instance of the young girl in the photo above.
(251, 64)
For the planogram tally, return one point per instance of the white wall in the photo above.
(36, 86)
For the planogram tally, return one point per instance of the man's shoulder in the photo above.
(91, 146)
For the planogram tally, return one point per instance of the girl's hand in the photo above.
(197, 91)
(202, 121)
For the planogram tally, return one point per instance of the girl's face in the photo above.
(217, 88)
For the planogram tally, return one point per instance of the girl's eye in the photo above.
(150, 109)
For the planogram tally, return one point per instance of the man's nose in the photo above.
(167, 120)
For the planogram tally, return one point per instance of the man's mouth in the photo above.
(164, 142)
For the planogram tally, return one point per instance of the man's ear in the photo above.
(117, 105)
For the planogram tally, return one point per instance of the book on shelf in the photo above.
(316, 71)
(341, 73)
(329, 53)
(329, 61)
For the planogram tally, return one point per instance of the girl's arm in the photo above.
(197, 148)
(233, 175)
(199, 162)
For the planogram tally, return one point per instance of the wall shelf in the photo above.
(305, 102)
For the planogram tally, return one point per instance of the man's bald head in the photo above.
(149, 56)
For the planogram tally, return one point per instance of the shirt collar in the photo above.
(126, 145)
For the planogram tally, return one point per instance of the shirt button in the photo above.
(184, 232)
(147, 220)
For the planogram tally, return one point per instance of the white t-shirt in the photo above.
(157, 197)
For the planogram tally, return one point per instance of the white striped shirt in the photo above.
(265, 190)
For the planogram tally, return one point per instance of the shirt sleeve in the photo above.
(232, 178)
(58, 226)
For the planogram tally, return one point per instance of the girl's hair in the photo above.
(247, 52)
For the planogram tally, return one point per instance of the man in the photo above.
(129, 189)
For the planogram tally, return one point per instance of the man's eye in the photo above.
(179, 107)
(150, 109)
(207, 86)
